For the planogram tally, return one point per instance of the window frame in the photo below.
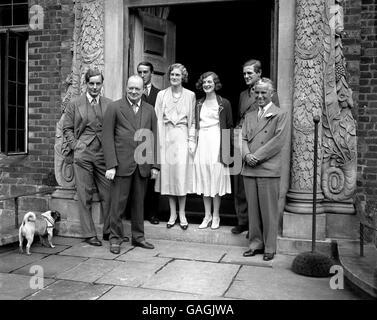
(4, 149)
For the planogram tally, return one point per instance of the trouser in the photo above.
(151, 201)
(89, 167)
(262, 196)
(122, 189)
(240, 201)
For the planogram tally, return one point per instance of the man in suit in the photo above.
(151, 202)
(263, 133)
(252, 71)
(126, 121)
(82, 129)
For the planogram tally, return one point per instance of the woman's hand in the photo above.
(110, 174)
(154, 173)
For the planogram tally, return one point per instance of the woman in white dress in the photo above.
(176, 136)
(213, 115)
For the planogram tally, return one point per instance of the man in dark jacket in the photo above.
(128, 122)
(152, 198)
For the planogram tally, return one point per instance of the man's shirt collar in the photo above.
(90, 98)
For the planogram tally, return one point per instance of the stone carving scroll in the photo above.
(87, 52)
(339, 167)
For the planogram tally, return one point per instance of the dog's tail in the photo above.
(30, 216)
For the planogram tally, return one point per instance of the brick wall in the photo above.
(49, 64)
(367, 110)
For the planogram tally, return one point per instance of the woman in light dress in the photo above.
(176, 137)
(213, 115)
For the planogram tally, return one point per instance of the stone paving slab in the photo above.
(53, 265)
(16, 287)
(195, 277)
(38, 248)
(71, 290)
(234, 255)
(194, 251)
(89, 270)
(84, 249)
(255, 283)
(127, 293)
(66, 241)
(14, 260)
(133, 273)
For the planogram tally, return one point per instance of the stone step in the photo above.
(221, 236)
(360, 271)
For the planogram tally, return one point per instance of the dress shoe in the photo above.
(252, 252)
(171, 223)
(183, 226)
(126, 239)
(106, 237)
(215, 223)
(142, 244)
(93, 241)
(115, 248)
(154, 220)
(205, 223)
(268, 256)
(239, 229)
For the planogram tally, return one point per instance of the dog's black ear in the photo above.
(55, 215)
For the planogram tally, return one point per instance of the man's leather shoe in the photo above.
(268, 256)
(126, 239)
(142, 244)
(106, 236)
(93, 241)
(154, 220)
(239, 229)
(115, 248)
(252, 252)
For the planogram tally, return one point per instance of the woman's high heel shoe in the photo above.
(215, 223)
(171, 223)
(183, 223)
(206, 223)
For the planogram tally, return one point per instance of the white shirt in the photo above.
(137, 105)
(90, 98)
(262, 110)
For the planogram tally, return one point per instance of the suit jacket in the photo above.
(76, 118)
(264, 138)
(151, 99)
(120, 142)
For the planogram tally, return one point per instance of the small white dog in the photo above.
(42, 226)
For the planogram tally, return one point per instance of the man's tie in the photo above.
(260, 113)
(135, 107)
(145, 92)
(97, 109)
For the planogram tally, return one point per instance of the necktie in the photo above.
(145, 92)
(96, 108)
(260, 113)
(135, 107)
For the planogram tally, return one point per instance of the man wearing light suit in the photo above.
(82, 129)
(263, 133)
(125, 121)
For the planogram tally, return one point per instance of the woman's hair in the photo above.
(180, 67)
(216, 80)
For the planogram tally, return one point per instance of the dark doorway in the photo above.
(220, 37)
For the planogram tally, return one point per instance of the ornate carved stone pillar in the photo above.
(320, 87)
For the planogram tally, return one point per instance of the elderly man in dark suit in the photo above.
(263, 134)
(82, 129)
(151, 202)
(127, 122)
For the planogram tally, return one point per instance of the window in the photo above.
(13, 13)
(13, 88)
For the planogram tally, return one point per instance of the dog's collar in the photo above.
(49, 220)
